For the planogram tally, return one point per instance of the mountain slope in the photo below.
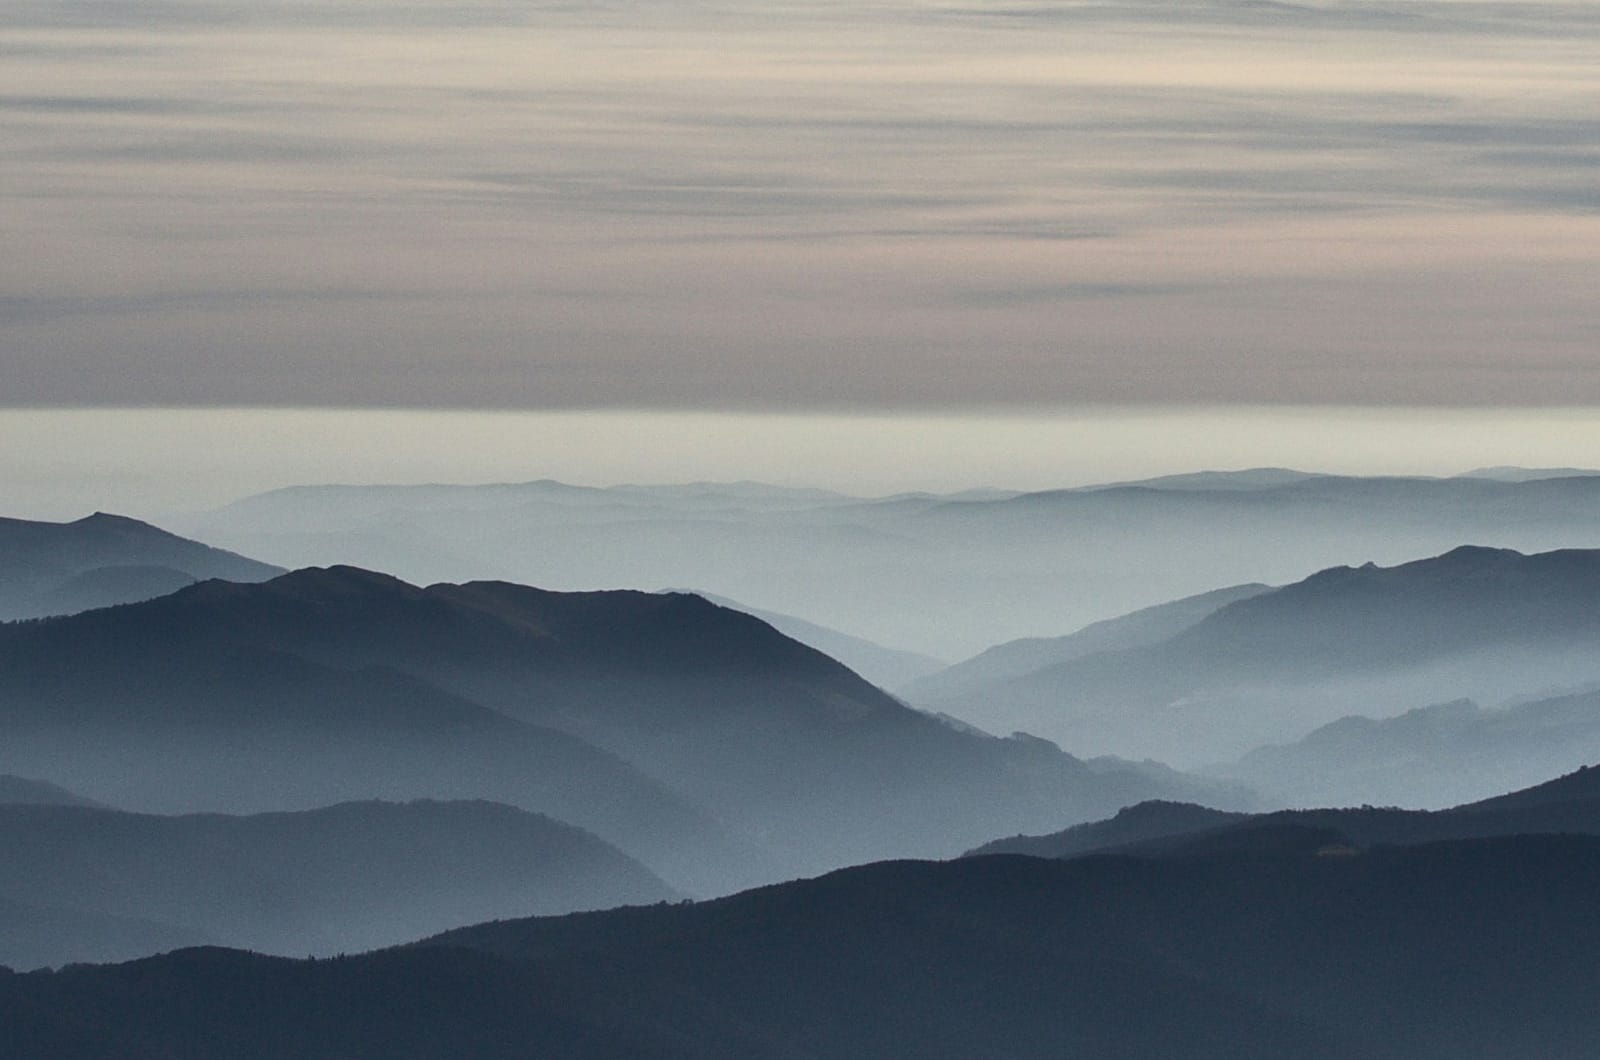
(1570, 804)
(1431, 756)
(885, 667)
(1474, 621)
(347, 877)
(1466, 951)
(1018, 658)
(767, 734)
(140, 708)
(100, 560)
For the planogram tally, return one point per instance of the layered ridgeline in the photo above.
(1430, 756)
(646, 718)
(62, 568)
(147, 707)
(945, 575)
(1569, 805)
(76, 883)
(1479, 622)
(1019, 658)
(1293, 941)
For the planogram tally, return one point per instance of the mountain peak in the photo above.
(113, 519)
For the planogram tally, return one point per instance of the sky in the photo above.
(897, 208)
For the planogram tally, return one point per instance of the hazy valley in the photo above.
(331, 759)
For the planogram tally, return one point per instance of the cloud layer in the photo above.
(815, 205)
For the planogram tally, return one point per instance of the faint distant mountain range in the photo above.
(697, 738)
(1475, 621)
(1269, 938)
(1529, 474)
(347, 877)
(101, 560)
(945, 576)
(1018, 658)
(1429, 756)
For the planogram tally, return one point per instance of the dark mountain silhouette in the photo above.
(346, 877)
(1569, 804)
(943, 575)
(767, 734)
(1474, 621)
(1445, 951)
(14, 789)
(1018, 658)
(1431, 756)
(100, 560)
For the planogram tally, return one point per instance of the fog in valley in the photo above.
(802, 531)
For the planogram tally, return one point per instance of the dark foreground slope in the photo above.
(779, 741)
(101, 560)
(1458, 950)
(345, 878)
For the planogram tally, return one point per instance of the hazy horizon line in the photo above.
(152, 462)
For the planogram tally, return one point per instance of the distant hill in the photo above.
(1570, 804)
(1019, 658)
(1453, 951)
(1131, 825)
(1258, 478)
(14, 789)
(101, 560)
(1529, 474)
(348, 877)
(1430, 756)
(1475, 622)
(650, 719)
